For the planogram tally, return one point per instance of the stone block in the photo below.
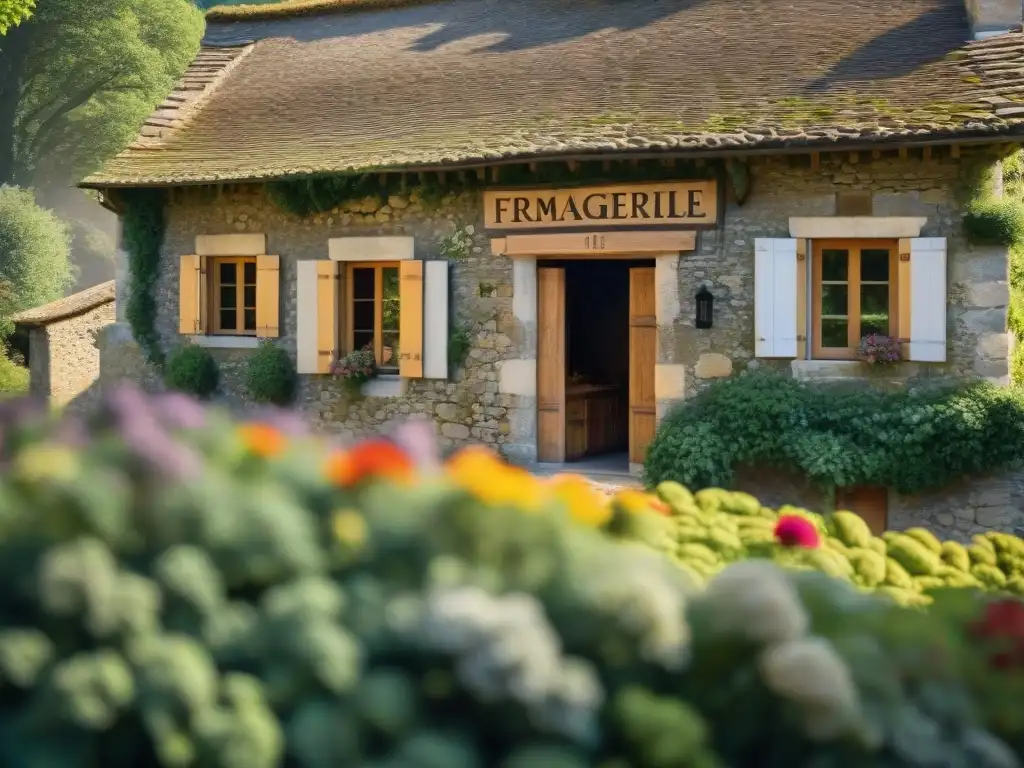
(670, 381)
(712, 365)
(992, 517)
(994, 345)
(983, 321)
(980, 265)
(517, 377)
(989, 294)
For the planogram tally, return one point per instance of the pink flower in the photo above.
(793, 531)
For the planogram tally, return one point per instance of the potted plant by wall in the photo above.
(355, 369)
(879, 349)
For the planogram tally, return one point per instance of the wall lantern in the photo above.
(705, 307)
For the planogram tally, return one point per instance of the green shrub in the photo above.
(13, 377)
(270, 375)
(907, 440)
(995, 222)
(191, 369)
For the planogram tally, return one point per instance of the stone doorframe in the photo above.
(518, 376)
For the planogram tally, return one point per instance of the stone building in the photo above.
(552, 221)
(63, 358)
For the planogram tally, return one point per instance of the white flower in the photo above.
(811, 674)
(755, 599)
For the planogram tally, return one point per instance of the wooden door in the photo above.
(871, 503)
(551, 364)
(643, 352)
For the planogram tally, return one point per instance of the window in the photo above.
(854, 294)
(234, 296)
(373, 309)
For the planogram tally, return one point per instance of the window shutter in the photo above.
(410, 296)
(317, 315)
(435, 320)
(191, 296)
(776, 297)
(922, 298)
(268, 287)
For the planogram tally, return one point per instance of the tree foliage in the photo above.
(13, 12)
(79, 77)
(35, 265)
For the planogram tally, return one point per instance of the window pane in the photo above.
(227, 297)
(834, 299)
(390, 315)
(874, 265)
(228, 320)
(834, 265)
(362, 316)
(874, 309)
(249, 296)
(834, 333)
(389, 355)
(362, 339)
(250, 319)
(389, 280)
(227, 272)
(362, 283)
(249, 272)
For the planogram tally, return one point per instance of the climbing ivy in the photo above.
(316, 194)
(912, 441)
(143, 232)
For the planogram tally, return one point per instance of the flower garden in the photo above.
(181, 590)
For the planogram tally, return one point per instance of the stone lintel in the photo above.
(822, 227)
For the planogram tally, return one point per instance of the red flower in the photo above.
(370, 459)
(793, 531)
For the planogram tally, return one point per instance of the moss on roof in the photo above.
(455, 83)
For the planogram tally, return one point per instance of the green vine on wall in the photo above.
(317, 194)
(911, 441)
(143, 233)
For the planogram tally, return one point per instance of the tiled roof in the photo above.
(463, 82)
(69, 306)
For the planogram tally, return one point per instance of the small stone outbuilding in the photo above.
(63, 360)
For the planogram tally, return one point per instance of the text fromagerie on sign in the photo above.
(668, 203)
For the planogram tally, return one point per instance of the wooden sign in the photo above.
(594, 244)
(677, 203)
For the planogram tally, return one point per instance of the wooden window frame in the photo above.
(213, 266)
(378, 308)
(854, 247)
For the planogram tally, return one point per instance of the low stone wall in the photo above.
(956, 511)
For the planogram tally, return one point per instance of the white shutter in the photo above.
(775, 297)
(435, 322)
(927, 299)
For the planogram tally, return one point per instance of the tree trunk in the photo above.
(14, 47)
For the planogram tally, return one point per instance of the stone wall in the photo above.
(480, 403)
(469, 408)
(782, 187)
(74, 355)
(957, 511)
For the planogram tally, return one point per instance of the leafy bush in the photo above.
(270, 375)
(907, 440)
(191, 369)
(995, 221)
(35, 254)
(183, 590)
(13, 377)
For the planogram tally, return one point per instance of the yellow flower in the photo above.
(262, 439)
(350, 527)
(482, 474)
(585, 503)
(42, 462)
(638, 502)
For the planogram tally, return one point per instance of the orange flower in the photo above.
(492, 481)
(376, 459)
(262, 439)
(586, 504)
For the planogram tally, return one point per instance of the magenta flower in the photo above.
(793, 531)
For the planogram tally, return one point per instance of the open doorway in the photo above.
(588, 362)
